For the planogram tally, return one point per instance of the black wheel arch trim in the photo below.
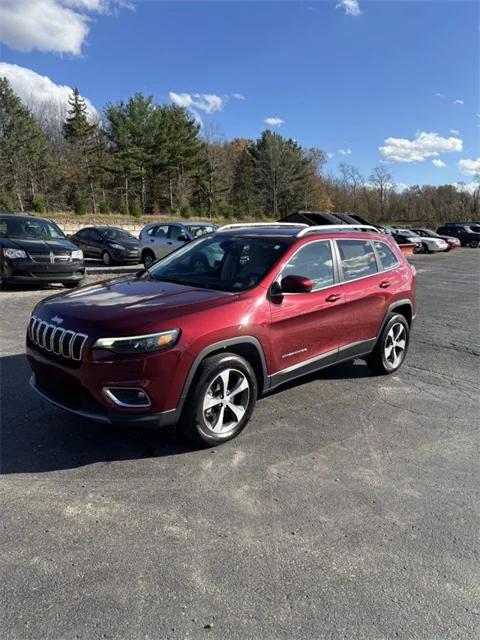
(392, 307)
(218, 347)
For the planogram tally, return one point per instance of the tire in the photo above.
(425, 248)
(72, 285)
(199, 264)
(473, 244)
(201, 423)
(148, 258)
(387, 358)
(106, 258)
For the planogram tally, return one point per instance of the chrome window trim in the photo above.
(336, 274)
(379, 260)
(370, 275)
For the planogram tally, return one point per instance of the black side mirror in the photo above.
(183, 238)
(296, 284)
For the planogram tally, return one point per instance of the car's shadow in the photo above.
(36, 437)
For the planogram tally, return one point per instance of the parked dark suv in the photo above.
(35, 250)
(178, 345)
(468, 234)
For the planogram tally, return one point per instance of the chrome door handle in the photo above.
(385, 284)
(333, 297)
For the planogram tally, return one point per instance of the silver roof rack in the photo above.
(246, 225)
(336, 227)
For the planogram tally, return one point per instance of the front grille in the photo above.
(56, 340)
(51, 257)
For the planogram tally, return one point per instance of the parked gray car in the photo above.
(158, 239)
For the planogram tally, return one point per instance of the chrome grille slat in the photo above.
(54, 339)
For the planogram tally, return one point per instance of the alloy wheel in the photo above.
(226, 401)
(395, 345)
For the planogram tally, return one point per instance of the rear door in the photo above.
(158, 240)
(368, 290)
(306, 328)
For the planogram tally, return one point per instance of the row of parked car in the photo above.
(35, 249)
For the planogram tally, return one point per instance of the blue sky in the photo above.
(394, 81)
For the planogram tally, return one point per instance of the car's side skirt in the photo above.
(346, 352)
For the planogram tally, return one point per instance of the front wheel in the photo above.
(221, 400)
(392, 346)
(106, 258)
(425, 248)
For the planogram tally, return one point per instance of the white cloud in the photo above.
(59, 26)
(345, 152)
(423, 146)
(330, 155)
(274, 122)
(39, 92)
(439, 95)
(238, 96)
(458, 102)
(206, 102)
(455, 132)
(469, 187)
(438, 163)
(470, 167)
(351, 7)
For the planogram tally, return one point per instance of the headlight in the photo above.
(139, 344)
(14, 253)
(114, 245)
(77, 254)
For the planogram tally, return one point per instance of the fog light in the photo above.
(127, 396)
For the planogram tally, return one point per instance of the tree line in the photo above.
(146, 158)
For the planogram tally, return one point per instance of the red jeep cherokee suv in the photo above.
(176, 343)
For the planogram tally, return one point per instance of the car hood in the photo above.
(128, 306)
(39, 246)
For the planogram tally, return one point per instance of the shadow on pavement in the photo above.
(36, 437)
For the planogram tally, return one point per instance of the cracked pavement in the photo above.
(348, 508)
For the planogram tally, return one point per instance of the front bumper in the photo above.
(79, 386)
(28, 271)
(162, 419)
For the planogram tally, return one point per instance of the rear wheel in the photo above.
(473, 244)
(106, 258)
(221, 400)
(392, 346)
(148, 259)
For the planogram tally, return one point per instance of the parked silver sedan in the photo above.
(158, 239)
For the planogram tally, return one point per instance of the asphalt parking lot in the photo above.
(348, 508)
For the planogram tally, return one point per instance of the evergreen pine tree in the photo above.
(82, 137)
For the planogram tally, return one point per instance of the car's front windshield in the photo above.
(23, 228)
(219, 262)
(112, 233)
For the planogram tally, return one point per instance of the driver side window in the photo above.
(313, 261)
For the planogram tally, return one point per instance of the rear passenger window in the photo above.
(358, 259)
(386, 255)
(312, 261)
